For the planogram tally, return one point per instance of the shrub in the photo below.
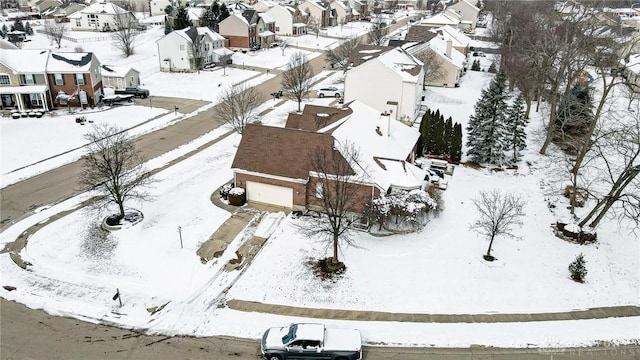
(578, 269)
(476, 65)
(237, 196)
(224, 190)
(492, 68)
(78, 49)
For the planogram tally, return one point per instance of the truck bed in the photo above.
(342, 339)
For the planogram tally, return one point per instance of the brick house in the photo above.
(240, 29)
(74, 79)
(273, 164)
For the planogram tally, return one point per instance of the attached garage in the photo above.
(270, 194)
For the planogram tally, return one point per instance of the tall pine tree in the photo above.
(515, 124)
(455, 153)
(438, 139)
(486, 128)
(447, 135)
(167, 26)
(182, 19)
(424, 126)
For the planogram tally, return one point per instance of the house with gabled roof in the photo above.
(24, 84)
(386, 150)
(241, 30)
(320, 12)
(441, 19)
(266, 30)
(401, 80)
(342, 10)
(459, 40)
(119, 77)
(180, 50)
(289, 20)
(75, 78)
(468, 13)
(100, 16)
(448, 64)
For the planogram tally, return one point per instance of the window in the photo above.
(27, 79)
(319, 190)
(78, 23)
(79, 79)
(59, 79)
(4, 79)
(36, 99)
(277, 28)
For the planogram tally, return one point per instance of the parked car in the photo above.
(311, 341)
(135, 91)
(330, 91)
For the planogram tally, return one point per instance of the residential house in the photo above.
(460, 40)
(386, 148)
(419, 33)
(179, 49)
(23, 80)
(157, 6)
(400, 77)
(445, 64)
(74, 78)
(119, 77)
(342, 11)
(631, 70)
(61, 13)
(360, 8)
(266, 30)
(364, 52)
(262, 6)
(319, 12)
(100, 16)
(442, 19)
(240, 29)
(468, 13)
(289, 20)
(42, 5)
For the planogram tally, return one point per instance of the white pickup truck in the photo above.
(311, 341)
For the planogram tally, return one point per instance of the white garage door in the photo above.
(270, 194)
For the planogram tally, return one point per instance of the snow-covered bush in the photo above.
(236, 196)
(224, 190)
(578, 269)
(404, 210)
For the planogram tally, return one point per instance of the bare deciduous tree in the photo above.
(336, 185)
(377, 35)
(113, 167)
(283, 43)
(238, 106)
(498, 214)
(296, 79)
(124, 38)
(55, 31)
(433, 65)
(619, 149)
(340, 56)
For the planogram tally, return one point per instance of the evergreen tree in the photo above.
(182, 19)
(167, 26)
(456, 144)
(575, 112)
(475, 66)
(4, 30)
(515, 124)
(578, 268)
(207, 19)
(424, 125)
(168, 9)
(17, 25)
(492, 68)
(28, 29)
(224, 13)
(485, 130)
(447, 135)
(438, 138)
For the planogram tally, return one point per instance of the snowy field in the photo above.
(437, 270)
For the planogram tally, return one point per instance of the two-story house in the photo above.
(403, 78)
(100, 16)
(266, 30)
(180, 49)
(289, 20)
(74, 78)
(342, 11)
(320, 12)
(468, 13)
(23, 80)
(241, 30)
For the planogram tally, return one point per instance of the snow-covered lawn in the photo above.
(76, 268)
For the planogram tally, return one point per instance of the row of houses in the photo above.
(45, 79)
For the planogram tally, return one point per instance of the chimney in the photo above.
(449, 46)
(385, 123)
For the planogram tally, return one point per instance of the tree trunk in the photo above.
(335, 249)
(490, 244)
(614, 195)
(121, 207)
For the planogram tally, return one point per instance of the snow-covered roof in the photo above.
(102, 8)
(195, 12)
(202, 31)
(362, 128)
(459, 38)
(633, 64)
(25, 61)
(69, 62)
(405, 65)
(442, 18)
(266, 33)
(115, 71)
(266, 18)
(439, 45)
